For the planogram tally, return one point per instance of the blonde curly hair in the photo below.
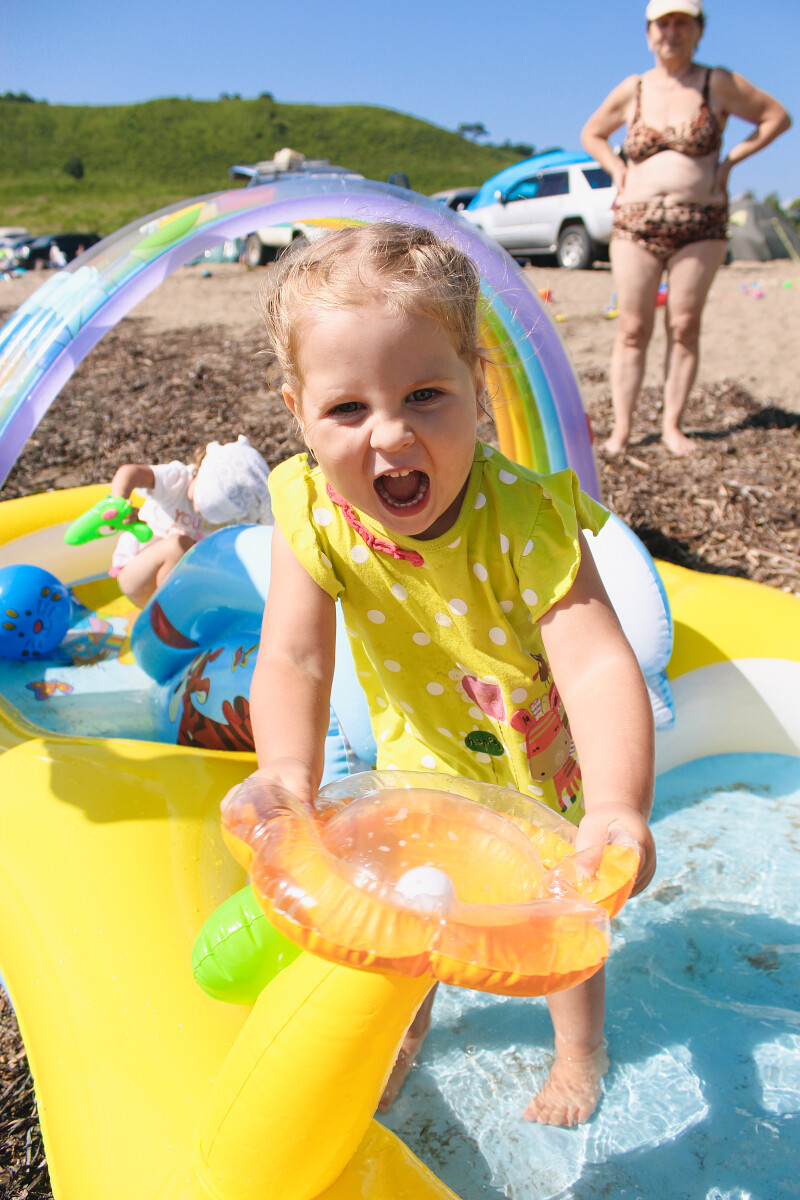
(409, 267)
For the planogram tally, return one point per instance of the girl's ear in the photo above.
(291, 401)
(480, 384)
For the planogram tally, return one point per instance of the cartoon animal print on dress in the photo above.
(548, 745)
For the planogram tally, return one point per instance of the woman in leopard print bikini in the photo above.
(672, 210)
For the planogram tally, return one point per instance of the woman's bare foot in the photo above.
(679, 443)
(615, 445)
(571, 1091)
(405, 1060)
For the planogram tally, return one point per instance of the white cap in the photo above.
(660, 8)
(231, 485)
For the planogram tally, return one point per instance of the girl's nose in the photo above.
(391, 434)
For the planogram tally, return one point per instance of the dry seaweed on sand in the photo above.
(23, 1169)
(733, 508)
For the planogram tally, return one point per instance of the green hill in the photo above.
(138, 158)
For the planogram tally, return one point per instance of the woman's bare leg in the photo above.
(572, 1089)
(637, 274)
(140, 577)
(690, 272)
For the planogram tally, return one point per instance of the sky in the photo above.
(529, 72)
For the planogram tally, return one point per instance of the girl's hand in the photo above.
(285, 775)
(619, 822)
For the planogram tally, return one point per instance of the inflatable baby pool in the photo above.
(116, 755)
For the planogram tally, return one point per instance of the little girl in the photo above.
(481, 633)
(226, 485)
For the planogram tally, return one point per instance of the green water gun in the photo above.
(113, 514)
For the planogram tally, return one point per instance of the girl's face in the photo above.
(390, 412)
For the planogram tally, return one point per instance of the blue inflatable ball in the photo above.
(35, 611)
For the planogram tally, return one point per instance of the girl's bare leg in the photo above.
(412, 1044)
(690, 272)
(572, 1089)
(637, 274)
(140, 577)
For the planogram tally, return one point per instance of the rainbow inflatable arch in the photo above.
(536, 399)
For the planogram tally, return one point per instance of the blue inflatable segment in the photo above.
(198, 639)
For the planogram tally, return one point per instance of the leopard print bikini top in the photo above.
(700, 135)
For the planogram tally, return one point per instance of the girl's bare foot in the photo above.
(412, 1044)
(571, 1091)
(679, 443)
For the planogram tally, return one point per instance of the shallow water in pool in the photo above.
(702, 1101)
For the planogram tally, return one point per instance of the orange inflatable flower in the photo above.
(472, 884)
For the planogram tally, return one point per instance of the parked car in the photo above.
(229, 251)
(11, 245)
(456, 198)
(556, 203)
(263, 245)
(36, 253)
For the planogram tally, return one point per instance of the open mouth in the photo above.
(402, 490)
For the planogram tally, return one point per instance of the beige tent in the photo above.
(759, 232)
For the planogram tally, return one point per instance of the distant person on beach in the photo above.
(225, 485)
(671, 212)
(57, 257)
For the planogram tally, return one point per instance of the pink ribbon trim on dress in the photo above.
(382, 545)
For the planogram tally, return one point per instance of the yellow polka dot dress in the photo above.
(445, 633)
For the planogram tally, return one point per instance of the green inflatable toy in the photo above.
(113, 514)
(238, 952)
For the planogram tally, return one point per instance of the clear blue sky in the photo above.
(529, 72)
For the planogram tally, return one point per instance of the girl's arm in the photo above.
(611, 114)
(610, 717)
(735, 94)
(291, 688)
(130, 476)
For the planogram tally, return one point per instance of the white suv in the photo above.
(556, 203)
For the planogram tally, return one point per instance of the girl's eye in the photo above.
(345, 409)
(423, 395)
